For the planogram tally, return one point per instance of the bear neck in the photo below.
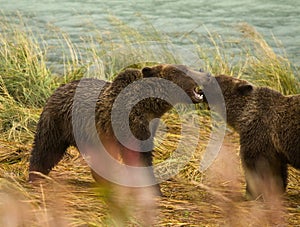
(235, 114)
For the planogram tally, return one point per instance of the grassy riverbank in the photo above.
(70, 198)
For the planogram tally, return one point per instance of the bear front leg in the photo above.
(141, 159)
(138, 151)
(99, 161)
(265, 177)
(147, 159)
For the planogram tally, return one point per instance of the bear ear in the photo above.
(147, 72)
(245, 89)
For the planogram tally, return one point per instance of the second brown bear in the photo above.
(269, 127)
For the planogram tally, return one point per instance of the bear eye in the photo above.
(147, 72)
(245, 89)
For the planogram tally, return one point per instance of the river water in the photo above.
(272, 18)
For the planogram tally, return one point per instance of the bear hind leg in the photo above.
(46, 153)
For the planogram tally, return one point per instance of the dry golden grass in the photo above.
(70, 197)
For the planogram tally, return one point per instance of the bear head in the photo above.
(226, 93)
(190, 81)
(233, 87)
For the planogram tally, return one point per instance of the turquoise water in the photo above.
(174, 18)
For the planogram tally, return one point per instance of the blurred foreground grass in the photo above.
(70, 197)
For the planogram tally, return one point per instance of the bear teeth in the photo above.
(198, 96)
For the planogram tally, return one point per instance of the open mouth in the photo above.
(198, 95)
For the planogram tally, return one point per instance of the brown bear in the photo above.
(135, 98)
(269, 127)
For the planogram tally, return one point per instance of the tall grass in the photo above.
(23, 70)
(265, 67)
(27, 81)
